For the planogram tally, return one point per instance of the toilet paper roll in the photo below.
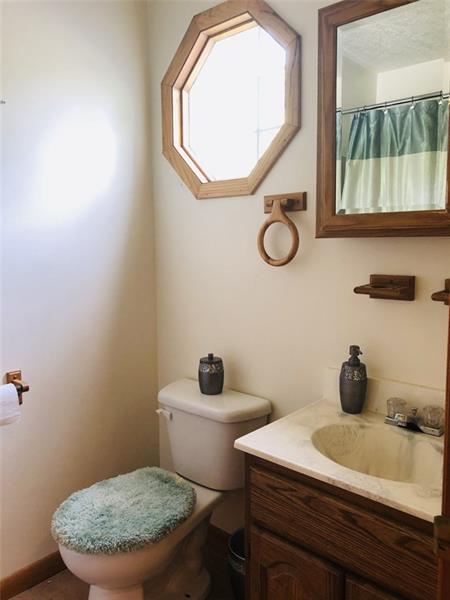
(9, 404)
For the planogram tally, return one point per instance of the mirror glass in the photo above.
(392, 99)
(233, 104)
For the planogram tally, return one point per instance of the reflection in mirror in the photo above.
(234, 103)
(392, 90)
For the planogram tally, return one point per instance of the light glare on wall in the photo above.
(76, 164)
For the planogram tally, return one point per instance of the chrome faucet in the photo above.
(430, 422)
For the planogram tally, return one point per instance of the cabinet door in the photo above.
(361, 590)
(279, 570)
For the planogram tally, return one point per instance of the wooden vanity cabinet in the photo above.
(307, 540)
(281, 570)
(362, 590)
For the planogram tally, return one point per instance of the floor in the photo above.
(65, 586)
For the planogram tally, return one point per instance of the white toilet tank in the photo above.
(202, 429)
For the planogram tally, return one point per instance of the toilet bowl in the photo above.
(201, 430)
(172, 568)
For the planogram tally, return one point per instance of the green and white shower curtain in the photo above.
(396, 159)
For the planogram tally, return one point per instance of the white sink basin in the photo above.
(383, 451)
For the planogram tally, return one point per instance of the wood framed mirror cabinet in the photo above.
(381, 125)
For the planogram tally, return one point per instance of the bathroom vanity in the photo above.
(320, 530)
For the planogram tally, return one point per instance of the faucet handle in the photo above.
(433, 416)
(394, 406)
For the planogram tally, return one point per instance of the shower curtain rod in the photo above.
(412, 99)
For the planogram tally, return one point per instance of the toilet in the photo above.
(201, 431)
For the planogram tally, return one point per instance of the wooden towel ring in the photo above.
(278, 216)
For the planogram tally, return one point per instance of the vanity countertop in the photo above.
(287, 442)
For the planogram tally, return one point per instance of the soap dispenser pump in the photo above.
(353, 383)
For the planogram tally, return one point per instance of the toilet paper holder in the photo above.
(15, 377)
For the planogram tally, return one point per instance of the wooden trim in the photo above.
(214, 189)
(329, 224)
(214, 23)
(191, 37)
(271, 155)
(31, 575)
(221, 13)
(446, 483)
(248, 524)
(46, 567)
(183, 170)
(220, 32)
(444, 565)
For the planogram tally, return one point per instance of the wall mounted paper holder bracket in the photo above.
(15, 377)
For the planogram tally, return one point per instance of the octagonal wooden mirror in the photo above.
(231, 98)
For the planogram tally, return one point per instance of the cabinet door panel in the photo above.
(361, 590)
(279, 570)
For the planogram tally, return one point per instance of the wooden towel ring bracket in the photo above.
(278, 205)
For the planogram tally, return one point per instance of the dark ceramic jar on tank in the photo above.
(210, 375)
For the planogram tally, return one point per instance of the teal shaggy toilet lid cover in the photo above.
(124, 513)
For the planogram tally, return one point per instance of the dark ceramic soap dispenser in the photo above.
(353, 383)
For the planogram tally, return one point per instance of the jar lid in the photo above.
(211, 359)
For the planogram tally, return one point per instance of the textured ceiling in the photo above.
(410, 34)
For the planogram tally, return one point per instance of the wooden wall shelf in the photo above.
(443, 295)
(389, 287)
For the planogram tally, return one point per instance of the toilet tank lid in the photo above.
(228, 407)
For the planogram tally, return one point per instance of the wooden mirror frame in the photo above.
(330, 224)
(219, 21)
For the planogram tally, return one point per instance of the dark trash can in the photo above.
(236, 562)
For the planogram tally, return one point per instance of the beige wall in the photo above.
(422, 78)
(357, 85)
(78, 296)
(277, 328)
